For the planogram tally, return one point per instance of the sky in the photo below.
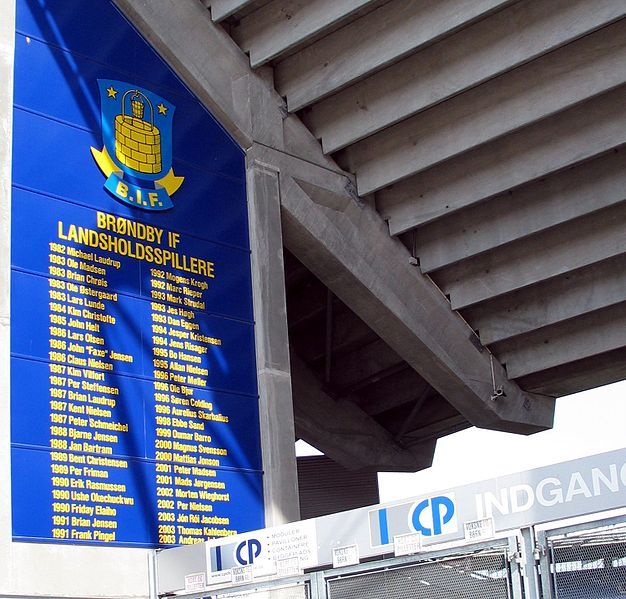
(584, 424)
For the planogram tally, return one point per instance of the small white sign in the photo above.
(242, 574)
(288, 567)
(407, 544)
(479, 530)
(294, 540)
(345, 556)
(195, 582)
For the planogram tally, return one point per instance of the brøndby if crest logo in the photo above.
(137, 153)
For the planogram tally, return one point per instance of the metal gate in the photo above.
(586, 561)
(488, 570)
(484, 575)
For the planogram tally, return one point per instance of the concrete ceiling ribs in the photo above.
(454, 173)
(475, 54)
(491, 137)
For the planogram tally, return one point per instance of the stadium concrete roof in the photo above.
(452, 190)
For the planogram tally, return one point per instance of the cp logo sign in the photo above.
(434, 516)
(248, 551)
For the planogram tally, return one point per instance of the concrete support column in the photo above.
(7, 52)
(280, 481)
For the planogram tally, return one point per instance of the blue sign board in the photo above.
(134, 405)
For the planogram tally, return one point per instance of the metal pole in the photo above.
(544, 565)
(318, 585)
(531, 580)
(516, 574)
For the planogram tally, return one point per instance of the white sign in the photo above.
(263, 549)
(242, 574)
(288, 567)
(407, 544)
(195, 582)
(479, 530)
(293, 540)
(345, 556)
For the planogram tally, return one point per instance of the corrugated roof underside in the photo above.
(491, 134)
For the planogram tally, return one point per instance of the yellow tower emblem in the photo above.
(138, 141)
(137, 153)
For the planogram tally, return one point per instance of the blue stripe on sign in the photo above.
(218, 558)
(382, 524)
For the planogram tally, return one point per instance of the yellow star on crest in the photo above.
(112, 92)
(162, 108)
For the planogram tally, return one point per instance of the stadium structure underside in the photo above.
(451, 180)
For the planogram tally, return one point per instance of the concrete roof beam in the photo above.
(363, 364)
(348, 332)
(522, 212)
(590, 335)
(370, 43)
(349, 249)
(435, 430)
(346, 434)
(578, 376)
(539, 150)
(392, 393)
(554, 301)
(577, 72)
(282, 25)
(505, 40)
(593, 239)
(222, 9)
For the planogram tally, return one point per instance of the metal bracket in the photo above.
(284, 112)
(498, 391)
(350, 187)
(515, 557)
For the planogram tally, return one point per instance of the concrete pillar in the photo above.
(7, 51)
(280, 481)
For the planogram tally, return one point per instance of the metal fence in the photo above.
(478, 571)
(484, 575)
(586, 561)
